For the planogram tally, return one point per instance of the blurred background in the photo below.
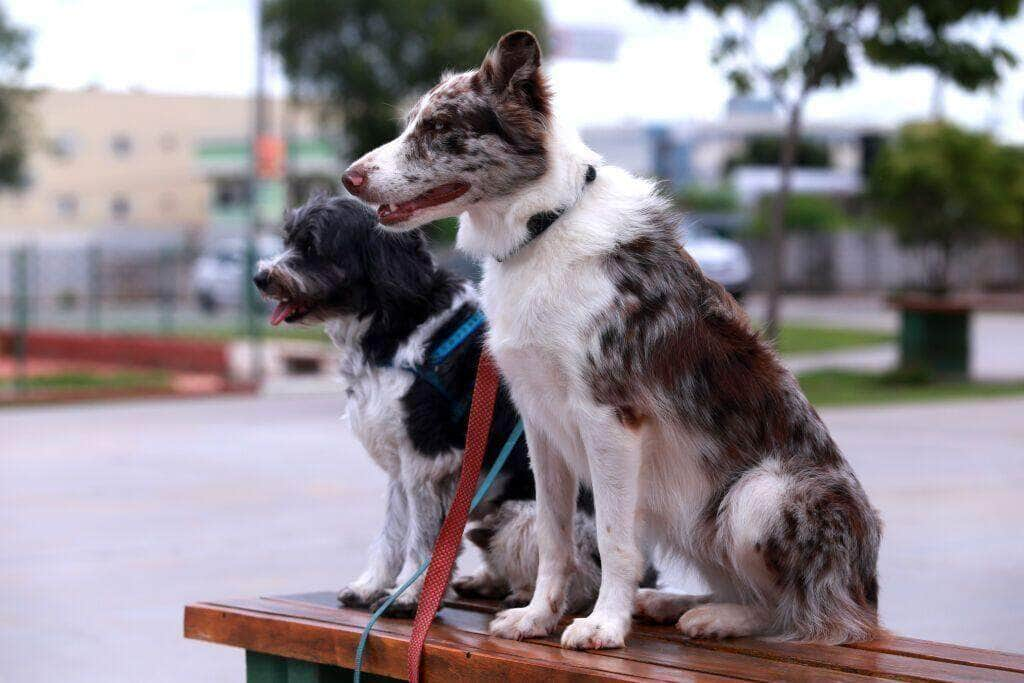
(853, 172)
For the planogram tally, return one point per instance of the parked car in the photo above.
(722, 259)
(220, 278)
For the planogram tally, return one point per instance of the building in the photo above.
(705, 153)
(104, 161)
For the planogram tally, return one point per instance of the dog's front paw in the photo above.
(595, 633)
(360, 595)
(523, 622)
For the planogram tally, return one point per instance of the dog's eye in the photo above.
(308, 249)
(439, 125)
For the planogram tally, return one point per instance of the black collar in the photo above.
(540, 222)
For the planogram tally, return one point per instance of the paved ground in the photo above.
(114, 516)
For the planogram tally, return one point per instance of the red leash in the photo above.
(446, 547)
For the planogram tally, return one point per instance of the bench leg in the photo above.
(264, 668)
(936, 342)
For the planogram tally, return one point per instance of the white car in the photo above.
(220, 278)
(721, 259)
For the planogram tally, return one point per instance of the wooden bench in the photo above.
(309, 639)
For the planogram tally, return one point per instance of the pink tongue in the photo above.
(282, 311)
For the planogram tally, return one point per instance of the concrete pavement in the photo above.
(114, 516)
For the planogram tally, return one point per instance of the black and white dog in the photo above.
(388, 308)
(634, 373)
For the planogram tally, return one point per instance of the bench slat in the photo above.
(311, 627)
(892, 656)
(892, 665)
(329, 643)
(943, 652)
(453, 625)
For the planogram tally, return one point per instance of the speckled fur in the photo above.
(638, 375)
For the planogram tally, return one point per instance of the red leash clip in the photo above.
(446, 547)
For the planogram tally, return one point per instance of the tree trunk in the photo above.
(787, 159)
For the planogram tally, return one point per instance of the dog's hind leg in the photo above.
(386, 553)
(660, 607)
(483, 583)
(723, 620)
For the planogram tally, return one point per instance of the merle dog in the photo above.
(387, 307)
(635, 373)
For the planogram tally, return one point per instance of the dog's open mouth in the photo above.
(442, 194)
(288, 312)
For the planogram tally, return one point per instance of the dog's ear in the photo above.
(512, 68)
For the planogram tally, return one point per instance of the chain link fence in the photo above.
(78, 316)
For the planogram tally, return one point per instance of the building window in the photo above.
(305, 188)
(67, 206)
(231, 194)
(64, 146)
(121, 145)
(120, 207)
(168, 142)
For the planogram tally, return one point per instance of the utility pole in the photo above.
(250, 298)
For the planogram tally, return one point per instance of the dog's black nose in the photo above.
(261, 279)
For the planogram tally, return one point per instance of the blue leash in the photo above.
(481, 491)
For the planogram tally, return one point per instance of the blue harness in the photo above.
(428, 370)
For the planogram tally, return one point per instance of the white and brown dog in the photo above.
(635, 373)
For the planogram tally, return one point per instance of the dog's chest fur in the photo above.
(541, 306)
(374, 407)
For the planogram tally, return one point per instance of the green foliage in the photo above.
(443, 232)
(905, 33)
(844, 387)
(77, 381)
(809, 213)
(709, 199)
(794, 338)
(936, 183)
(918, 33)
(766, 150)
(362, 59)
(15, 58)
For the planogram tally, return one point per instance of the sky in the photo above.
(662, 73)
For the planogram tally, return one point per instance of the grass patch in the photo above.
(314, 333)
(813, 339)
(845, 387)
(215, 332)
(77, 381)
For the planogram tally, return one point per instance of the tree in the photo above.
(362, 58)
(830, 36)
(806, 213)
(14, 61)
(766, 150)
(937, 184)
